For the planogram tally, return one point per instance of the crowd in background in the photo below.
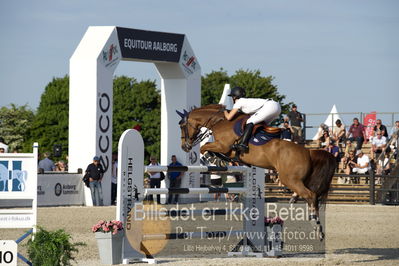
(346, 144)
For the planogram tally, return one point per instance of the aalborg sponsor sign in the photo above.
(150, 45)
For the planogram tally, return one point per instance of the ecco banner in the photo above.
(150, 45)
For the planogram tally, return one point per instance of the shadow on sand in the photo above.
(380, 253)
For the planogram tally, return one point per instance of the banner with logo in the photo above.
(18, 181)
(60, 189)
(150, 45)
(369, 123)
(54, 190)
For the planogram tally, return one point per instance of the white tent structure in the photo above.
(330, 121)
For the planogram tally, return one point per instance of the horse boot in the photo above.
(242, 146)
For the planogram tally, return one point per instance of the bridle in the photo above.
(199, 136)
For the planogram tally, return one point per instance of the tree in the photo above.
(50, 125)
(15, 122)
(212, 86)
(137, 103)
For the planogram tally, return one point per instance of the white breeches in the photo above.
(269, 111)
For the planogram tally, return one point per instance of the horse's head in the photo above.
(190, 129)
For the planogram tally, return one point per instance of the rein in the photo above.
(197, 138)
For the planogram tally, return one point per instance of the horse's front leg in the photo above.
(214, 147)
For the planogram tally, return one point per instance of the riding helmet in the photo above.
(237, 92)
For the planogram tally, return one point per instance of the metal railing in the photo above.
(386, 192)
(389, 184)
(312, 121)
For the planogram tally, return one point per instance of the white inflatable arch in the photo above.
(92, 66)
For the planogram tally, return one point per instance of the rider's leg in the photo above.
(243, 143)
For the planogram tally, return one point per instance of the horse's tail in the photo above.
(323, 168)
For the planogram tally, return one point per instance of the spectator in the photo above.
(349, 162)
(60, 166)
(174, 179)
(362, 165)
(334, 150)
(46, 163)
(216, 181)
(348, 147)
(2, 150)
(338, 132)
(383, 167)
(324, 139)
(380, 127)
(3, 145)
(114, 177)
(155, 179)
(296, 119)
(286, 131)
(356, 131)
(232, 178)
(378, 144)
(95, 172)
(395, 136)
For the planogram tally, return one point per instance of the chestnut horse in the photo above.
(306, 172)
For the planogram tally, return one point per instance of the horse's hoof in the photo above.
(293, 200)
(321, 236)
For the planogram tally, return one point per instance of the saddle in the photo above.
(261, 127)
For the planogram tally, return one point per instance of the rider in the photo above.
(260, 110)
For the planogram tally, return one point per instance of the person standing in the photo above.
(95, 172)
(155, 179)
(296, 119)
(46, 163)
(174, 179)
(114, 177)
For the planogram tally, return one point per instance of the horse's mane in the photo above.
(209, 106)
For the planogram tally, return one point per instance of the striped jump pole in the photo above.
(131, 191)
(192, 235)
(196, 168)
(208, 190)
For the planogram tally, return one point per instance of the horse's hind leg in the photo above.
(311, 198)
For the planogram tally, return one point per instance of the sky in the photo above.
(320, 53)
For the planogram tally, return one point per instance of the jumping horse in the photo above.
(306, 172)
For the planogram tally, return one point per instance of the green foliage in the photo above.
(50, 125)
(15, 122)
(52, 248)
(255, 84)
(137, 103)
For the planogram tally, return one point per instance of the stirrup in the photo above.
(241, 147)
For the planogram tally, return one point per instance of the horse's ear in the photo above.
(180, 114)
(194, 107)
(185, 113)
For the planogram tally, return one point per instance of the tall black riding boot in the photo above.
(242, 146)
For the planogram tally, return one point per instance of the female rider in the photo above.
(260, 110)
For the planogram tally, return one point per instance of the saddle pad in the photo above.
(260, 136)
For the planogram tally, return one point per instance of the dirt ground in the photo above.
(354, 235)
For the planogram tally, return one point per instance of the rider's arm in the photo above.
(231, 114)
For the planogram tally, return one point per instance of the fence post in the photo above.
(304, 128)
(372, 187)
